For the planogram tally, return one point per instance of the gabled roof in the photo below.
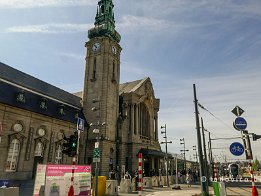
(131, 86)
(16, 77)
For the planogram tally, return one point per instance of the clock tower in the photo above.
(101, 85)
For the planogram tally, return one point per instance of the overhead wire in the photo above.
(219, 119)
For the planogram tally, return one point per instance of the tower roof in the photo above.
(104, 22)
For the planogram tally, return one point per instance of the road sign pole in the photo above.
(96, 178)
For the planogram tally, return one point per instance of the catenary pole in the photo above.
(202, 173)
(205, 155)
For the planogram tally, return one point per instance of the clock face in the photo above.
(114, 50)
(96, 46)
(18, 127)
(41, 132)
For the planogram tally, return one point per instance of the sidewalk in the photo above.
(184, 191)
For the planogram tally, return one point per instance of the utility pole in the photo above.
(184, 153)
(205, 154)
(202, 172)
(166, 154)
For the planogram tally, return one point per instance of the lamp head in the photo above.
(94, 109)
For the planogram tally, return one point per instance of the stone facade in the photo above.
(28, 137)
(34, 115)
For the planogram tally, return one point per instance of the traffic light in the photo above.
(73, 145)
(70, 147)
(255, 137)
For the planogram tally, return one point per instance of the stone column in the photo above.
(156, 126)
(137, 118)
(132, 118)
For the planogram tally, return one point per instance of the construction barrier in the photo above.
(222, 189)
(101, 186)
(125, 186)
(111, 187)
(171, 180)
(11, 191)
(163, 181)
(155, 181)
(147, 182)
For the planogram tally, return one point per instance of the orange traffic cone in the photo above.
(71, 191)
(254, 191)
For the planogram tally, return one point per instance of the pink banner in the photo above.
(58, 180)
(60, 170)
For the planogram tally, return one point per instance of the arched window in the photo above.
(94, 70)
(39, 149)
(58, 155)
(13, 155)
(113, 72)
(144, 119)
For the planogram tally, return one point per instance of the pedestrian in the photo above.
(188, 179)
(112, 175)
(127, 175)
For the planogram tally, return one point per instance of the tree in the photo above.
(256, 164)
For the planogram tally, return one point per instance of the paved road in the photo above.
(232, 189)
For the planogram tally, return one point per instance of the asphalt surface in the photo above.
(235, 188)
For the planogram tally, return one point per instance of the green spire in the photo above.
(104, 22)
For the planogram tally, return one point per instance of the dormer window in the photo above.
(61, 110)
(43, 104)
(20, 97)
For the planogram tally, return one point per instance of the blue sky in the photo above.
(215, 44)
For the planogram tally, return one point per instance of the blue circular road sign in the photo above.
(240, 123)
(237, 149)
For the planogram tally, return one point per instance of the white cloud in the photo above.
(43, 3)
(134, 23)
(50, 28)
(71, 55)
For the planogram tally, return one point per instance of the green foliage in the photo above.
(256, 164)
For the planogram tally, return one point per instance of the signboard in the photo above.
(96, 160)
(80, 124)
(58, 180)
(247, 144)
(237, 149)
(96, 153)
(240, 123)
(237, 111)
(39, 179)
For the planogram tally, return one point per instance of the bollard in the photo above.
(216, 188)
(101, 185)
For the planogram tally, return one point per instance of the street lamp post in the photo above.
(196, 155)
(166, 154)
(184, 153)
(96, 152)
